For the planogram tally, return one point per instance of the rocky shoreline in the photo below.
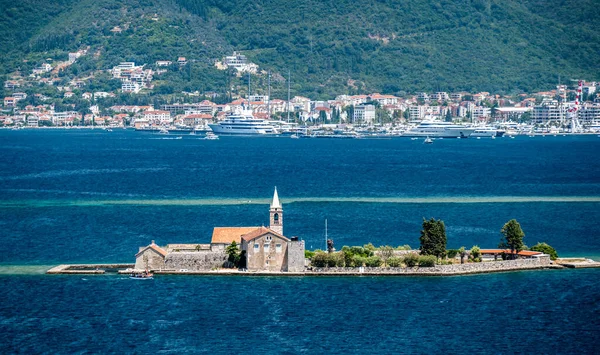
(542, 263)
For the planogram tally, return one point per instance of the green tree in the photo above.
(448, 116)
(427, 261)
(546, 249)
(476, 253)
(433, 238)
(512, 237)
(386, 252)
(233, 253)
(411, 260)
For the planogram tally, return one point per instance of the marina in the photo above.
(81, 196)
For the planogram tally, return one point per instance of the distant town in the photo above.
(573, 107)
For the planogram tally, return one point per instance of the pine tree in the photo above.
(433, 238)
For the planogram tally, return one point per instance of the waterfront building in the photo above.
(481, 113)
(548, 112)
(364, 113)
(267, 249)
(158, 117)
(589, 114)
(151, 257)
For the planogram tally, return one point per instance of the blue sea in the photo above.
(88, 196)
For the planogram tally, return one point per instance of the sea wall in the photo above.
(455, 269)
(195, 261)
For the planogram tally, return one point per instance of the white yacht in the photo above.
(439, 129)
(243, 123)
(487, 132)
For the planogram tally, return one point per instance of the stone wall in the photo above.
(151, 259)
(195, 261)
(295, 257)
(469, 268)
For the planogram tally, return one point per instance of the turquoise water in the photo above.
(95, 196)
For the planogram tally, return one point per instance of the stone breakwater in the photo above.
(540, 263)
(444, 270)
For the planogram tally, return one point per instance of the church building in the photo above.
(267, 249)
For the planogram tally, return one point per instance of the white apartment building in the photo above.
(549, 112)
(481, 113)
(131, 87)
(364, 114)
(158, 116)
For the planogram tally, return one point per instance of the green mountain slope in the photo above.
(330, 47)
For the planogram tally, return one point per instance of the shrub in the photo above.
(319, 259)
(546, 249)
(358, 261)
(452, 253)
(404, 247)
(386, 252)
(476, 253)
(411, 260)
(427, 261)
(373, 261)
(309, 254)
(370, 247)
(394, 262)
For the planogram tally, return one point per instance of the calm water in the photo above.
(94, 196)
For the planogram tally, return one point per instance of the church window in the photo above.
(276, 217)
(278, 248)
(256, 246)
(266, 247)
(269, 238)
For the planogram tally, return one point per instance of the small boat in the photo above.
(163, 131)
(428, 141)
(294, 136)
(211, 136)
(145, 275)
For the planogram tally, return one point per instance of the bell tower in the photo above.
(276, 214)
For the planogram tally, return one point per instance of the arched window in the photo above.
(276, 217)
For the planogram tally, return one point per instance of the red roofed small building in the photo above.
(9, 102)
(151, 257)
(495, 254)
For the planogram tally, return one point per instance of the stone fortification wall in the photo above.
(195, 261)
(295, 257)
(469, 268)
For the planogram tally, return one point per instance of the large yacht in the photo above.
(487, 131)
(439, 129)
(243, 123)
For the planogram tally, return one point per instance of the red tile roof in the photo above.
(260, 232)
(154, 247)
(226, 235)
(507, 251)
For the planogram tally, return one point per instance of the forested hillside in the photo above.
(330, 47)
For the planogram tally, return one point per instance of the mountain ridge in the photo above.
(331, 48)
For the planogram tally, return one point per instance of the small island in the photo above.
(267, 251)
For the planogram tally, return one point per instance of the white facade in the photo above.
(128, 86)
(364, 114)
(160, 117)
(549, 112)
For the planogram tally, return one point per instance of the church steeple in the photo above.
(276, 214)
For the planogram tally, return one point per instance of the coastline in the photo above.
(438, 270)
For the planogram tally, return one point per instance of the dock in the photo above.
(88, 269)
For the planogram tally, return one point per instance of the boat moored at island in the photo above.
(243, 123)
(439, 129)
